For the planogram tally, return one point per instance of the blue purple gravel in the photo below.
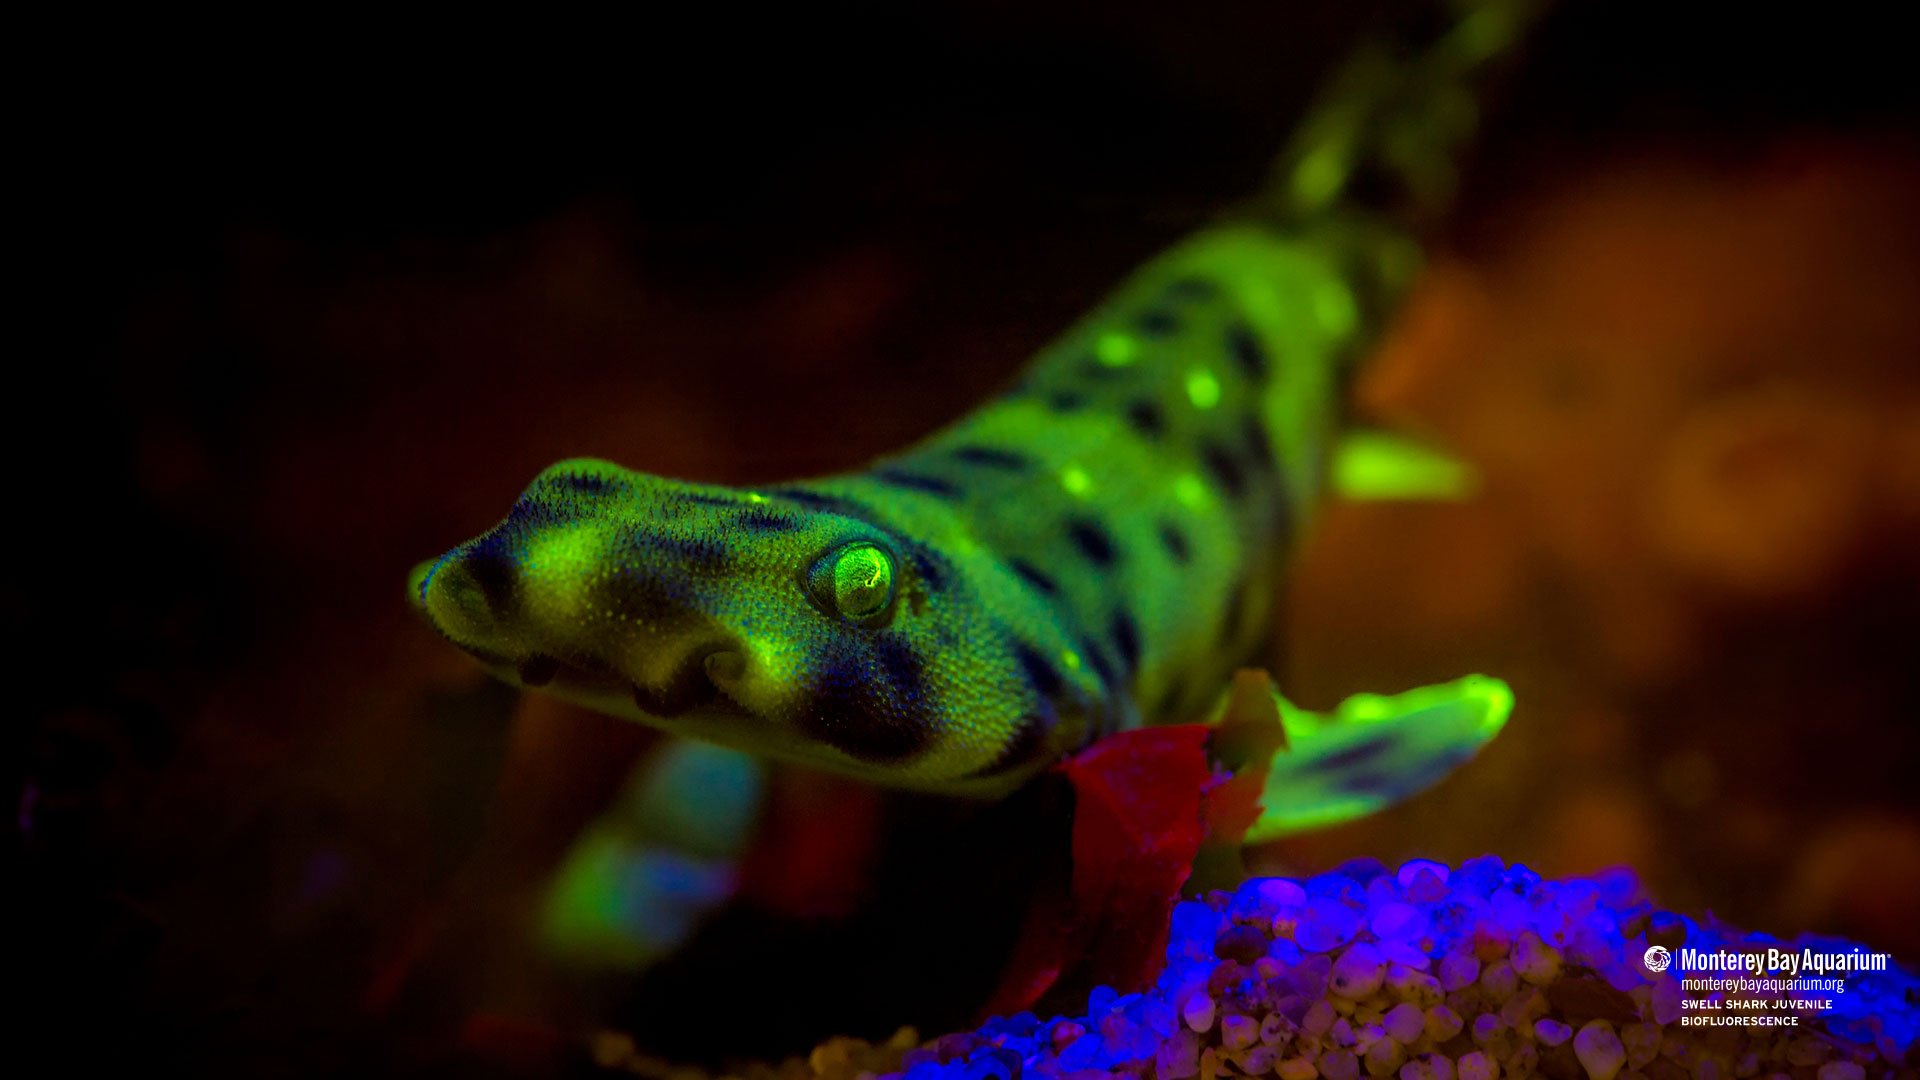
(1430, 974)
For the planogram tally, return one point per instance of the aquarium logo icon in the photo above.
(1656, 958)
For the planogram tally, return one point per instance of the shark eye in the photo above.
(854, 581)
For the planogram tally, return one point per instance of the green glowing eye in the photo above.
(855, 581)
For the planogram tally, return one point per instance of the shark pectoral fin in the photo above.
(1372, 465)
(1373, 751)
(642, 878)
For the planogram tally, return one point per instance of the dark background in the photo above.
(321, 298)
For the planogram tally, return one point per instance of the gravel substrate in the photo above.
(1431, 974)
(1478, 973)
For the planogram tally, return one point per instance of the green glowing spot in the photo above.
(1373, 465)
(1071, 659)
(1076, 481)
(1190, 490)
(855, 581)
(1333, 305)
(557, 569)
(1319, 175)
(1116, 349)
(1203, 388)
(756, 498)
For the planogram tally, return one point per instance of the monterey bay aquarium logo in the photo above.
(1787, 962)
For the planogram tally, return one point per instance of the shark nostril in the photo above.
(537, 670)
(727, 665)
(695, 682)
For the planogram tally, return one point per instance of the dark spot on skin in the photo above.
(1066, 401)
(932, 485)
(691, 553)
(929, 566)
(1092, 540)
(1246, 351)
(1225, 471)
(585, 483)
(1101, 666)
(1159, 322)
(1364, 752)
(993, 458)
(1175, 542)
(1190, 289)
(1147, 419)
(1099, 372)
(757, 519)
(646, 594)
(870, 715)
(1259, 447)
(494, 570)
(1042, 675)
(1033, 576)
(1025, 745)
(1126, 640)
(1392, 783)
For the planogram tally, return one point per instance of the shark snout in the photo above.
(539, 629)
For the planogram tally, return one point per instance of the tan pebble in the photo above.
(1319, 1018)
(1744, 1066)
(1478, 1065)
(1842, 1070)
(1276, 1029)
(1339, 1065)
(1443, 1023)
(1405, 1022)
(1296, 1068)
(1523, 1008)
(1198, 1012)
(1534, 960)
(1385, 1057)
(1341, 1034)
(1599, 1050)
(1523, 1062)
(1498, 981)
(1551, 1032)
(1358, 972)
(1238, 1032)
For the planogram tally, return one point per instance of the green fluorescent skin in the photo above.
(1091, 551)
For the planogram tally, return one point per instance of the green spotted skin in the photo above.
(1091, 551)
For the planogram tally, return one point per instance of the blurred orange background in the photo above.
(330, 320)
